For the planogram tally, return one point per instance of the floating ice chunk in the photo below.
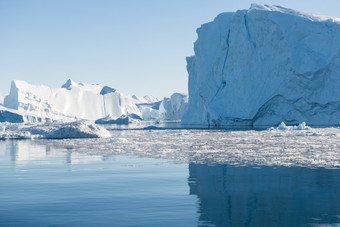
(118, 140)
(302, 126)
(122, 120)
(79, 129)
(311, 133)
(283, 127)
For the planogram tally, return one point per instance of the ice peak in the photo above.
(69, 83)
(107, 90)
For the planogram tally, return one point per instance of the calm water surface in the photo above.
(53, 183)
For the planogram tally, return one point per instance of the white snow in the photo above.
(309, 16)
(263, 66)
(79, 129)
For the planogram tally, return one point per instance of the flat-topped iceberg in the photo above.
(263, 66)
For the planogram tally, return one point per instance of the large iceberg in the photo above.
(263, 66)
(72, 101)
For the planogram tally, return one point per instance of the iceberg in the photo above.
(173, 108)
(265, 65)
(70, 102)
(78, 129)
(283, 127)
(80, 101)
(122, 120)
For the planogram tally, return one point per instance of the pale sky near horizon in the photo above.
(138, 47)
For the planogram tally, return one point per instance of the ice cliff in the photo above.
(263, 66)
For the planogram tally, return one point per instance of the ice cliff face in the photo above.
(265, 65)
(73, 100)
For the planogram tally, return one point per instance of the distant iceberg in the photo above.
(80, 101)
(73, 100)
(173, 108)
(263, 66)
(122, 120)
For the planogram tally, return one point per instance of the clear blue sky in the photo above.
(136, 46)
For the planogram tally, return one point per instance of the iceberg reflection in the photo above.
(267, 196)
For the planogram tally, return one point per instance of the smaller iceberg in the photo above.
(122, 120)
(284, 127)
(78, 129)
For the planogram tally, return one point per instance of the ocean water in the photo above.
(173, 178)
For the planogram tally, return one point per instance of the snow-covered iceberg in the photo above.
(263, 66)
(72, 101)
